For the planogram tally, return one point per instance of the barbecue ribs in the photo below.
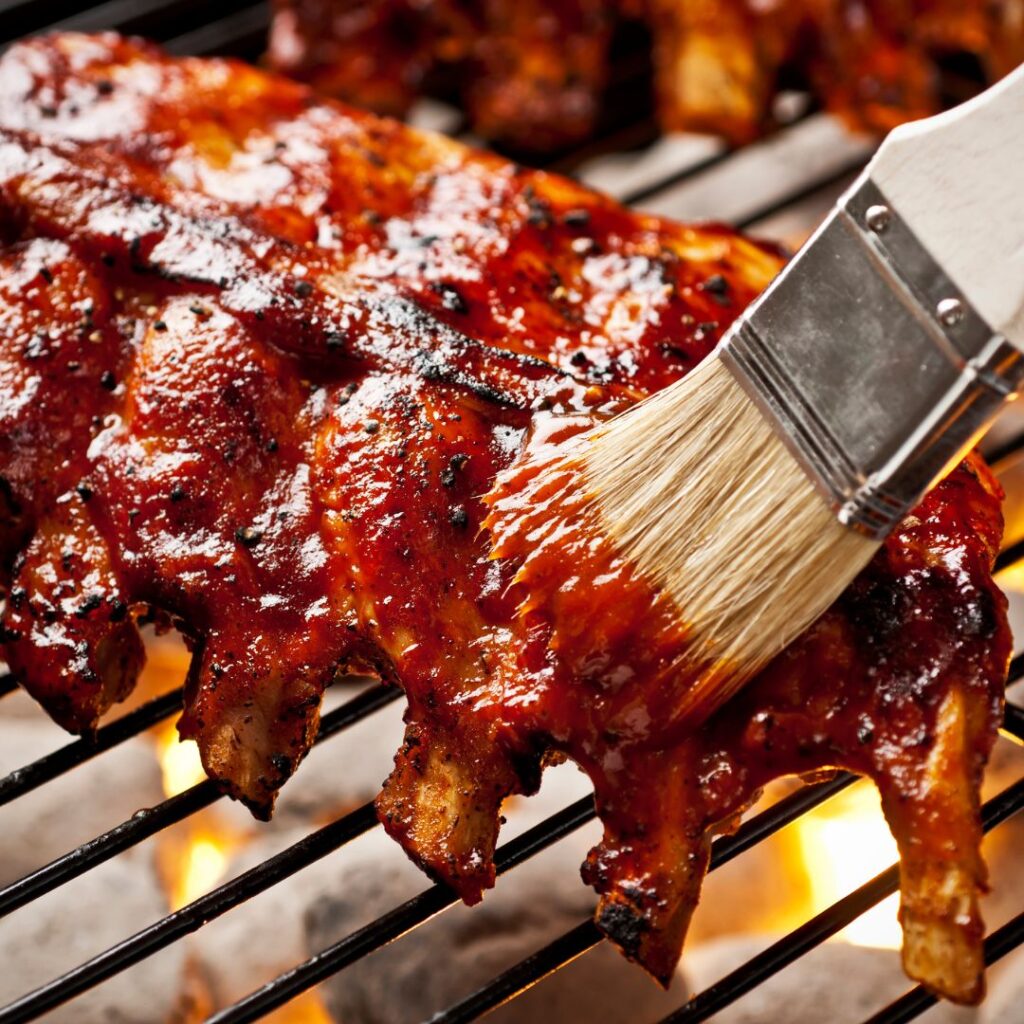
(261, 360)
(533, 75)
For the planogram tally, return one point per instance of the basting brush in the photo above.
(752, 491)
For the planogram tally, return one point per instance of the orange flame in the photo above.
(842, 844)
(195, 854)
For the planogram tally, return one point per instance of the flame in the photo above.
(167, 661)
(305, 1009)
(194, 855)
(200, 867)
(198, 851)
(180, 763)
(842, 844)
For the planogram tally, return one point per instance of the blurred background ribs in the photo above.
(533, 76)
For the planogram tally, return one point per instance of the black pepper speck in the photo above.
(250, 536)
(90, 604)
(718, 288)
(451, 297)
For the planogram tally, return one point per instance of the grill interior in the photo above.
(778, 187)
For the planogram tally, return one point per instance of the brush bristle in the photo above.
(701, 495)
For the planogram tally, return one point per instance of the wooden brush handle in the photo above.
(958, 181)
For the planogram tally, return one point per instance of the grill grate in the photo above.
(786, 180)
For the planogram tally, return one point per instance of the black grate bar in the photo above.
(1013, 721)
(156, 19)
(413, 913)
(24, 780)
(148, 822)
(373, 698)
(1002, 941)
(139, 826)
(524, 975)
(397, 922)
(1015, 672)
(676, 177)
(633, 135)
(831, 920)
(22, 17)
(190, 918)
(243, 32)
(998, 453)
(799, 194)
(1007, 557)
(11, 9)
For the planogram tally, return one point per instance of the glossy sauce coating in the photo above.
(535, 76)
(264, 357)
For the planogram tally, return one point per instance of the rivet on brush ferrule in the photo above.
(877, 218)
(950, 311)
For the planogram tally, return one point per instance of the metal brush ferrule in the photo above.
(875, 368)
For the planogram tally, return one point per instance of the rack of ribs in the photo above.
(266, 365)
(533, 75)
